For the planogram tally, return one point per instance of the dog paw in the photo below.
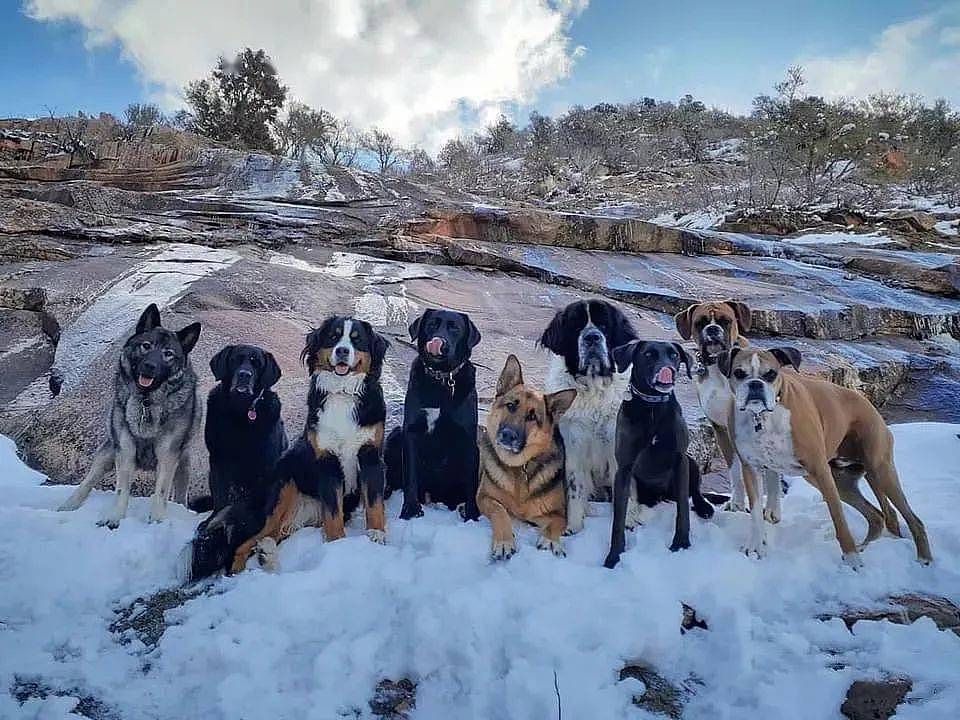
(408, 512)
(69, 505)
(635, 515)
(925, 561)
(468, 513)
(853, 559)
(771, 515)
(611, 561)
(554, 546)
(112, 522)
(377, 536)
(755, 551)
(735, 506)
(503, 550)
(158, 511)
(266, 553)
(704, 510)
(679, 544)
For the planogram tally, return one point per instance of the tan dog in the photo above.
(717, 327)
(800, 425)
(522, 463)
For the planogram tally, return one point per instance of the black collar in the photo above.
(447, 378)
(658, 398)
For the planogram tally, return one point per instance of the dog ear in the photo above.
(220, 363)
(622, 331)
(623, 355)
(188, 337)
(684, 357)
(742, 311)
(552, 338)
(787, 356)
(510, 376)
(474, 336)
(725, 361)
(271, 371)
(415, 325)
(684, 322)
(149, 319)
(380, 345)
(559, 402)
(312, 343)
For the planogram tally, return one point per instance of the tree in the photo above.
(341, 143)
(146, 115)
(500, 137)
(303, 129)
(238, 102)
(461, 161)
(384, 148)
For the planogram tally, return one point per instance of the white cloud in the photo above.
(423, 69)
(917, 56)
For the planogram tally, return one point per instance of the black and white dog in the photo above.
(337, 463)
(652, 441)
(433, 457)
(581, 338)
(245, 437)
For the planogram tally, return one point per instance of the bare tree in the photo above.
(384, 148)
(341, 143)
(303, 130)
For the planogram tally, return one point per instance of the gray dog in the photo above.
(153, 417)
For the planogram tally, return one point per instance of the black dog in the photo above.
(652, 442)
(435, 453)
(245, 437)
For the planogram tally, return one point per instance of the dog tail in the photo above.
(393, 460)
(201, 504)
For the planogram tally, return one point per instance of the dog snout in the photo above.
(756, 390)
(243, 380)
(341, 354)
(593, 338)
(510, 438)
(149, 368)
(714, 332)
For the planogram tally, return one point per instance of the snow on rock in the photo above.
(839, 238)
(314, 639)
(696, 220)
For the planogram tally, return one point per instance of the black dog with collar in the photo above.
(433, 457)
(245, 437)
(652, 441)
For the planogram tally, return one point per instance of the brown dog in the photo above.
(800, 425)
(717, 327)
(522, 463)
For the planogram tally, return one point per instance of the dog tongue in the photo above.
(434, 346)
(145, 381)
(664, 376)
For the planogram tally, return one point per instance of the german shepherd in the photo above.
(522, 463)
(153, 417)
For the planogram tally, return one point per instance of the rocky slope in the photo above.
(259, 248)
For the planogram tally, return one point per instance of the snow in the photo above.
(867, 239)
(696, 220)
(482, 640)
(948, 227)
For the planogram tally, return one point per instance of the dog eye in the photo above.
(145, 346)
(739, 374)
(168, 355)
(770, 375)
(354, 335)
(512, 406)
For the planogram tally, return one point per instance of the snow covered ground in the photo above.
(482, 640)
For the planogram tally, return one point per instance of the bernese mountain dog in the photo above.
(336, 464)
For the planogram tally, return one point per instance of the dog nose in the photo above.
(341, 354)
(755, 388)
(244, 375)
(713, 331)
(148, 367)
(592, 338)
(508, 437)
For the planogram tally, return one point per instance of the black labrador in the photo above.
(245, 437)
(652, 440)
(433, 457)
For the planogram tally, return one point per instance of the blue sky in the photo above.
(78, 54)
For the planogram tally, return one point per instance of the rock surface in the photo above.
(259, 249)
(659, 696)
(875, 700)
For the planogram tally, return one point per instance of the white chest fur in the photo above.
(770, 447)
(338, 432)
(432, 415)
(713, 390)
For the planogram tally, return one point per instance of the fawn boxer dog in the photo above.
(717, 327)
(800, 425)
